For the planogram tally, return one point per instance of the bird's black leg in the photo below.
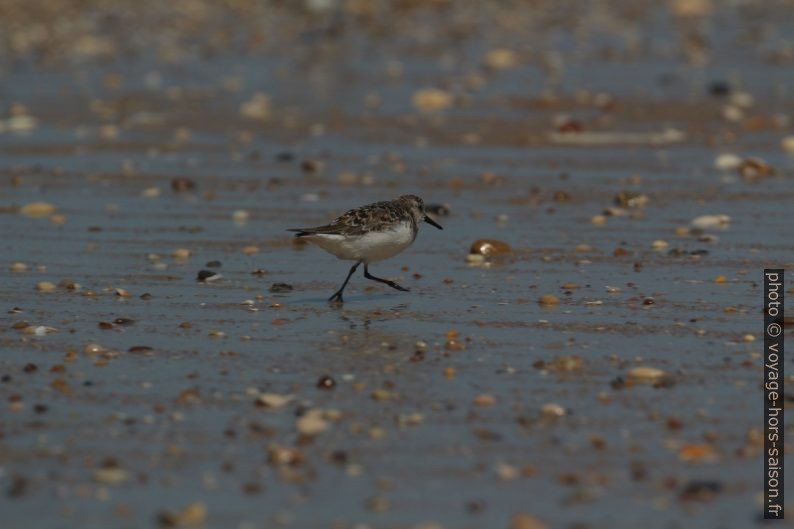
(380, 280)
(338, 294)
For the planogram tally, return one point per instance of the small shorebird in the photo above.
(370, 233)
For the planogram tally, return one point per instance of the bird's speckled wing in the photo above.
(379, 216)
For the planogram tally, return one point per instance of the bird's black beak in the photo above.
(433, 223)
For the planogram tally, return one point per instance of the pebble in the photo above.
(258, 107)
(193, 515)
(727, 161)
(312, 423)
(240, 216)
(484, 400)
(754, 169)
(273, 400)
(631, 199)
(475, 259)
(18, 267)
(660, 244)
(280, 287)
(548, 300)
(698, 452)
(207, 276)
(552, 410)
(284, 455)
(181, 184)
(432, 99)
(438, 210)
(599, 220)
(501, 59)
(111, 476)
(37, 210)
(181, 253)
(506, 472)
(39, 330)
(326, 382)
(720, 279)
(700, 490)
(489, 247)
(787, 143)
(646, 374)
(45, 286)
(525, 521)
(566, 363)
(711, 221)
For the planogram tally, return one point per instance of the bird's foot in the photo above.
(336, 299)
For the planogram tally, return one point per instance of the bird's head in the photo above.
(417, 208)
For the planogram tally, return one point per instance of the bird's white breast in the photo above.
(368, 247)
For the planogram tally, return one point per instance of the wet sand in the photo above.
(604, 372)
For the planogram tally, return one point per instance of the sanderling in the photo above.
(370, 233)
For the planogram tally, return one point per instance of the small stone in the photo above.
(281, 455)
(567, 363)
(39, 330)
(631, 199)
(93, 349)
(206, 276)
(727, 162)
(700, 490)
(111, 476)
(273, 400)
(548, 300)
(552, 410)
(258, 107)
(37, 210)
(599, 220)
(240, 216)
(489, 247)
(698, 452)
(646, 374)
(454, 345)
(251, 249)
(312, 423)
(280, 287)
(787, 144)
(507, 472)
(192, 515)
(438, 210)
(181, 184)
(151, 192)
(58, 219)
(432, 99)
(720, 279)
(18, 267)
(484, 400)
(181, 253)
(711, 221)
(755, 169)
(475, 259)
(660, 245)
(326, 382)
(501, 59)
(45, 286)
(525, 521)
